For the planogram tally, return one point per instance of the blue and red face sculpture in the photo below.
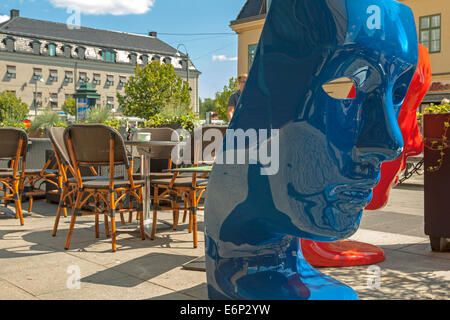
(329, 152)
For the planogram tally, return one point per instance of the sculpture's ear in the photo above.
(311, 24)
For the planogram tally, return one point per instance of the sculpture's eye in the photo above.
(400, 90)
(341, 88)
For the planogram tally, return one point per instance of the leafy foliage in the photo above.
(98, 115)
(153, 88)
(12, 109)
(223, 96)
(70, 106)
(116, 123)
(181, 117)
(207, 105)
(438, 145)
(9, 123)
(48, 119)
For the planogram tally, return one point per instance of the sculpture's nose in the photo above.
(379, 137)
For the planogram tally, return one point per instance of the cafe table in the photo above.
(144, 148)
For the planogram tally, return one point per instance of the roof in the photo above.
(250, 9)
(96, 37)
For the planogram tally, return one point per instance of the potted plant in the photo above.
(47, 119)
(436, 123)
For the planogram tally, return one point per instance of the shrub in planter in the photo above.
(436, 121)
(47, 119)
(175, 118)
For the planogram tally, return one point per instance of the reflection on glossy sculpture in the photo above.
(330, 151)
(351, 253)
(410, 130)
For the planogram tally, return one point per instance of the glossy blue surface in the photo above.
(330, 151)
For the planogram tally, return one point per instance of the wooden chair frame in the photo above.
(105, 198)
(12, 184)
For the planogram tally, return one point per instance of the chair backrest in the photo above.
(200, 132)
(160, 134)
(9, 142)
(56, 136)
(91, 145)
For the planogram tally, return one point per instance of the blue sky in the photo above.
(164, 16)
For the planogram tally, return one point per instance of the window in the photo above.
(53, 75)
(109, 80)
(97, 79)
(83, 77)
(54, 101)
(122, 80)
(69, 77)
(52, 50)
(11, 72)
(144, 59)
(108, 55)
(37, 74)
(430, 32)
(251, 55)
(110, 102)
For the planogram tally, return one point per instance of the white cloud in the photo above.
(114, 7)
(3, 18)
(224, 58)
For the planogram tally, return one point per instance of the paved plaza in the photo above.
(34, 265)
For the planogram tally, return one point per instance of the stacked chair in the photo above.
(99, 146)
(13, 147)
(187, 187)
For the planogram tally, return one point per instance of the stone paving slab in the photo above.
(34, 265)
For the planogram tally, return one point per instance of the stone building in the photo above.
(47, 61)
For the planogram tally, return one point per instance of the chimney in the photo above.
(153, 34)
(15, 13)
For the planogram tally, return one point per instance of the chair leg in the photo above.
(122, 218)
(176, 215)
(97, 230)
(155, 213)
(113, 233)
(74, 219)
(194, 216)
(185, 211)
(108, 234)
(30, 203)
(61, 206)
(113, 221)
(190, 221)
(141, 215)
(18, 203)
(55, 227)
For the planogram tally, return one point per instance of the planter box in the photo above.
(437, 183)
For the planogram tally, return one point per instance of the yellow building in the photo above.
(433, 24)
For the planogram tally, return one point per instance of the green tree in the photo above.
(12, 108)
(207, 105)
(70, 106)
(153, 88)
(223, 96)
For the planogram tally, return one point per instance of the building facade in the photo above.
(44, 62)
(433, 27)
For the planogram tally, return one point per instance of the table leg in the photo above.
(145, 165)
